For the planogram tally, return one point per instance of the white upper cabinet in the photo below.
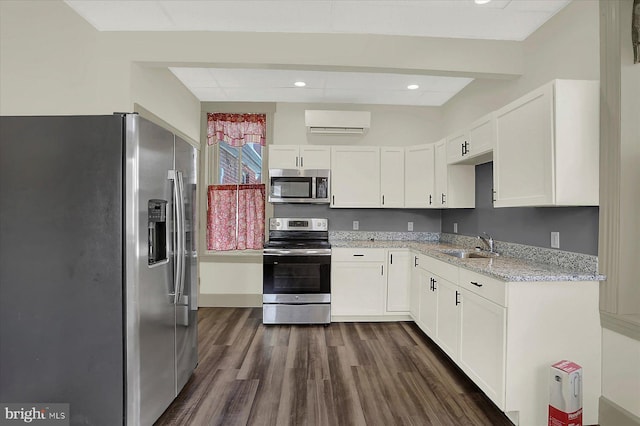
(482, 140)
(475, 144)
(392, 177)
(457, 144)
(440, 149)
(455, 186)
(419, 184)
(315, 157)
(547, 147)
(299, 157)
(284, 156)
(355, 176)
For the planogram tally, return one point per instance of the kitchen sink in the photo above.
(465, 254)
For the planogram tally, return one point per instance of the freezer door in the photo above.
(150, 309)
(186, 159)
(61, 264)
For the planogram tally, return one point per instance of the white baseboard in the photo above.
(230, 300)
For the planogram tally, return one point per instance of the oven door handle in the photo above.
(297, 252)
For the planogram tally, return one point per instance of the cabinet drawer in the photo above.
(358, 255)
(489, 288)
(445, 270)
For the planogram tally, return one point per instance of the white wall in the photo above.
(390, 125)
(620, 370)
(49, 60)
(54, 63)
(566, 46)
(171, 101)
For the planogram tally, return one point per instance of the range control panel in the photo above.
(298, 224)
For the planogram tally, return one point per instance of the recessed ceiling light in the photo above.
(412, 86)
(299, 84)
(481, 1)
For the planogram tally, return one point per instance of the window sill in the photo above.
(231, 256)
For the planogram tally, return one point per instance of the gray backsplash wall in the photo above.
(578, 226)
(389, 220)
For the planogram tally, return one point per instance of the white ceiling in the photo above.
(498, 20)
(256, 85)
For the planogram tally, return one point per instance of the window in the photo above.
(236, 194)
(237, 165)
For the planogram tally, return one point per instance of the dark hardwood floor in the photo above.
(342, 374)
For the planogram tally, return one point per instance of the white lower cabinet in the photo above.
(482, 344)
(415, 289)
(428, 316)
(398, 282)
(503, 335)
(506, 335)
(358, 282)
(448, 322)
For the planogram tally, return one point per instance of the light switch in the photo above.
(555, 240)
(455, 227)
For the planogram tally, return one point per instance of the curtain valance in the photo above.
(236, 129)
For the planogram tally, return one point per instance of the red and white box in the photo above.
(565, 393)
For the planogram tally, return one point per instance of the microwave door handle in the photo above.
(314, 182)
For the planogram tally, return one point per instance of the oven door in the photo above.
(296, 275)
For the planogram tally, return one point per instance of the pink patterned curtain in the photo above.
(236, 129)
(229, 228)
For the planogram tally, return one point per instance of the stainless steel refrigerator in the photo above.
(98, 265)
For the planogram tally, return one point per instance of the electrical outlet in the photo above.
(409, 226)
(455, 227)
(356, 225)
(555, 240)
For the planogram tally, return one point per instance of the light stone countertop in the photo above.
(503, 268)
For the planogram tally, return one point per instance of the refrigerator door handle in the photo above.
(182, 237)
(173, 175)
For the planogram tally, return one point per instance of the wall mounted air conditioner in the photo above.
(337, 122)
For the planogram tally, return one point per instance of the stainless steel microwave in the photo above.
(299, 186)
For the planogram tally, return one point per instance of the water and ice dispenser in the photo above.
(157, 225)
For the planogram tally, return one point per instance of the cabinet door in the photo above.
(457, 147)
(428, 304)
(448, 316)
(315, 157)
(357, 288)
(419, 176)
(482, 138)
(482, 344)
(355, 176)
(398, 281)
(440, 174)
(283, 157)
(523, 158)
(414, 291)
(392, 177)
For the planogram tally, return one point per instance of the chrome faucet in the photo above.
(488, 242)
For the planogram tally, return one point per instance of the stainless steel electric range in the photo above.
(297, 272)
